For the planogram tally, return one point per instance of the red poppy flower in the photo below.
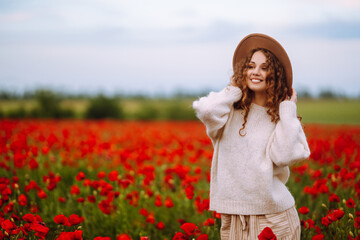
(267, 234)
(337, 214)
(33, 164)
(91, 198)
(15, 231)
(77, 235)
(304, 210)
(334, 198)
(42, 194)
(75, 190)
(6, 191)
(143, 212)
(169, 203)
(180, 236)
(65, 236)
(101, 174)
(189, 228)
(189, 190)
(51, 186)
(216, 215)
(303, 223)
(357, 222)
(150, 218)
(160, 225)
(32, 185)
(149, 193)
(45, 150)
(325, 221)
(38, 218)
(80, 176)
(75, 219)
(311, 223)
(22, 199)
(113, 175)
(124, 183)
(87, 182)
(203, 237)
(350, 203)
(9, 208)
(40, 229)
(8, 225)
(209, 222)
(61, 219)
(105, 206)
(28, 218)
(318, 237)
(123, 236)
(158, 201)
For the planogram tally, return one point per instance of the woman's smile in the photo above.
(256, 80)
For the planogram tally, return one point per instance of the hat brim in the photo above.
(258, 40)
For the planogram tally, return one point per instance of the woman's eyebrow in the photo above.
(260, 63)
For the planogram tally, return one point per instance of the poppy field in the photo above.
(122, 180)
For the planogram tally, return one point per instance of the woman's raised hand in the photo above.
(232, 82)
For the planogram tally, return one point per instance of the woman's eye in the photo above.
(250, 67)
(264, 68)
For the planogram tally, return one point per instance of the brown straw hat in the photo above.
(258, 40)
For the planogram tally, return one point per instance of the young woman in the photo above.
(256, 136)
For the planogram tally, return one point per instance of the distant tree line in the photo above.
(176, 107)
(7, 95)
(48, 105)
(323, 94)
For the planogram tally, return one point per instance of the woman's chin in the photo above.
(257, 88)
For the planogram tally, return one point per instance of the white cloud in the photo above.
(14, 17)
(316, 63)
(165, 14)
(164, 44)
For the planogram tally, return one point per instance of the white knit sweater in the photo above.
(248, 174)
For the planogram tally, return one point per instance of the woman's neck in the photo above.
(260, 99)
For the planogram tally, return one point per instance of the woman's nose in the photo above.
(256, 71)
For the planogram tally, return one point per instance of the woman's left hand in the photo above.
(293, 96)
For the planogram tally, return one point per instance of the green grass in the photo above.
(330, 111)
(326, 111)
(8, 105)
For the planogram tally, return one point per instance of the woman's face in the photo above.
(257, 72)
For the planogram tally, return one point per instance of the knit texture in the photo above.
(248, 174)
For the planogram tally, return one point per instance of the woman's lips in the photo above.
(254, 80)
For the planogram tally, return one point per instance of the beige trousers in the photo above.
(285, 225)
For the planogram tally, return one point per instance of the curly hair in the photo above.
(276, 86)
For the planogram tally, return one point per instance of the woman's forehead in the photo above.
(258, 57)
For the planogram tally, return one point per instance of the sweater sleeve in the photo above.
(213, 110)
(288, 143)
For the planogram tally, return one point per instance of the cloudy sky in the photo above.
(164, 46)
